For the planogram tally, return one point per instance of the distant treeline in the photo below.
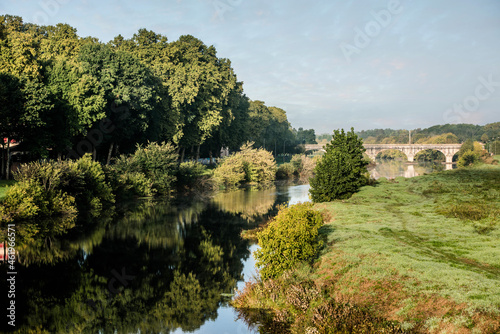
(438, 134)
(62, 96)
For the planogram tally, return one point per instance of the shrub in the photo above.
(290, 238)
(157, 162)
(342, 169)
(230, 173)
(193, 176)
(468, 158)
(85, 180)
(253, 166)
(28, 199)
(285, 171)
(62, 188)
(129, 184)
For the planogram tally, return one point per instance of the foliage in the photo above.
(429, 155)
(77, 95)
(391, 155)
(293, 302)
(438, 134)
(299, 166)
(157, 162)
(193, 176)
(342, 169)
(290, 238)
(249, 165)
(127, 184)
(285, 171)
(61, 188)
(468, 158)
(389, 247)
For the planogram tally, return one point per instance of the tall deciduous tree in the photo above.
(11, 111)
(342, 169)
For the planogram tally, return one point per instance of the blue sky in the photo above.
(329, 63)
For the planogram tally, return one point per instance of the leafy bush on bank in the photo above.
(149, 171)
(194, 177)
(57, 188)
(289, 239)
(251, 166)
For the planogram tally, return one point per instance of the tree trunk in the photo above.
(94, 154)
(7, 168)
(197, 153)
(110, 152)
(182, 154)
(59, 156)
(211, 157)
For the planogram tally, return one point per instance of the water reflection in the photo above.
(248, 203)
(394, 168)
(160, 268)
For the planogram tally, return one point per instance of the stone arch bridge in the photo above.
(449, 150)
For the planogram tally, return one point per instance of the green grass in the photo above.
(4, 186)
(436, 235)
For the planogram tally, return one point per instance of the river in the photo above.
(159, 268)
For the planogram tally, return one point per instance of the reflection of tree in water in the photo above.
(248, 204)
(183, 261)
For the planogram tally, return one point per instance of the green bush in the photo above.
(252, 166)
(85, 180)
(342, 169)
(468, 158)
(27, 200)
(57, 188)
(129, 184)
(193, 176)
(157, 162)
(290, 238)
(285, 171)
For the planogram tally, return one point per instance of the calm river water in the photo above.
(162, 268)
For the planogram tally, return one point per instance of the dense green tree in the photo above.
(342, 169)
(11, 112)
(130, 92)
(305, 136)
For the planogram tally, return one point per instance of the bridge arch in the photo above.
(432, 154)
(382, 154)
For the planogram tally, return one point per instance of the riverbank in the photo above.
(415, 255)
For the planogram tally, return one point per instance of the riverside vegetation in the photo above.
(402, 256)
(415, 255)
(51, 197)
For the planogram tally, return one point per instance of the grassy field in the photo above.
(423, 251)
(4, 185)
(419, 255)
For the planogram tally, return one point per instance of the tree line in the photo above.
(62, 96)
(437, 134)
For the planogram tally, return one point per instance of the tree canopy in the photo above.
(71, 95)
